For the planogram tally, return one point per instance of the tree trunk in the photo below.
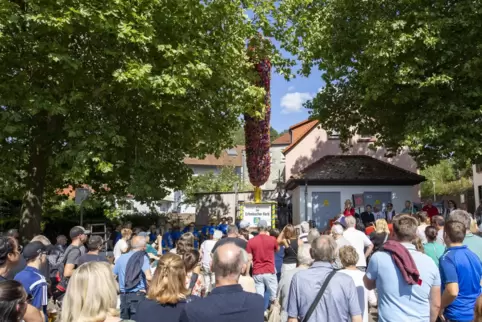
(40, 151)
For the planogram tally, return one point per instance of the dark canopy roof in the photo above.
(353, 170)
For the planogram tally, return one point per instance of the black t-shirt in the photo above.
(152, 311)
(291, 252)
(90, 258)
(238, 241)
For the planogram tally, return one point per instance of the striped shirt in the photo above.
(36, 286)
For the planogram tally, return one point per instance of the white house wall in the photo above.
(399, 195)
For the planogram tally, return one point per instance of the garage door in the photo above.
(326, 205)
(379, 199)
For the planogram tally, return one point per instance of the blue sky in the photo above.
(287, 98)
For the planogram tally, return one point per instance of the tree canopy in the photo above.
(238, 135)
(408, 71)
(223, 181)
(115, 94)
(446, 179)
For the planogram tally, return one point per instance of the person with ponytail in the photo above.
(167, 295)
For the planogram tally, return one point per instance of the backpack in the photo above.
(56, 259)
(61, 281)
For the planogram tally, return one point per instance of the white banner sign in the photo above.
(254, 213)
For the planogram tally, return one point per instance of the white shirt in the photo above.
(421, 233)
(440, 237)
(359, 241)
(366, 296)
(206, 249)
(121, 244)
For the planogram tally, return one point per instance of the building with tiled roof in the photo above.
(320, 177)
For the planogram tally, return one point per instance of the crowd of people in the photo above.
(415, 266)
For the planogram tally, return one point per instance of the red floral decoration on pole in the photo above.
(257, 132)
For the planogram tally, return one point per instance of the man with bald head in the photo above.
(227, 302)
(132, 270)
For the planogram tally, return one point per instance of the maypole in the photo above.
(257, 134)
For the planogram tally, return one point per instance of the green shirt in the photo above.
(474, 243)
(434, 251)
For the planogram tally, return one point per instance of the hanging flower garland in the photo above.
(257, 132)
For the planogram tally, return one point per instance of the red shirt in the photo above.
(431, 211)
(262, 247)
(350, 212)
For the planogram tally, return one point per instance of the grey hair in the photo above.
(218, 234)
(304, 256)
(232, 230)
(305, 227)
(337, 229)
(461, 216)
(138, 242)
(350, 221)
(41, 238)
(312, 235)
(323, 249)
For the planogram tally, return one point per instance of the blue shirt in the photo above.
(35, 285)
(397, 300)
(225, 304)
(460, 265)
(120, 271)
(208, 230)
(175, 236)
(167, 241)
(278, 259)
(223, 228)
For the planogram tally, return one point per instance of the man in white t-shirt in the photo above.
(358, 240)
(206, 259)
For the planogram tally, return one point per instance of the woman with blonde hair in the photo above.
(288, 239)
(168, 294)
(380, 235)
(91, 295)
(122, 246)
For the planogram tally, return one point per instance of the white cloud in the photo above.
(291, 88)
(293, 102)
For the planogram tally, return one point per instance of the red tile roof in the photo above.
(284, 139)
(224, 159)
(299, 131)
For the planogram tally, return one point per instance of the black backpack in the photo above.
(61, 281)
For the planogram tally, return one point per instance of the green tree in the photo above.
(273, 134)
(224, 180)
(445, 178)
(238, 136)
(408, 70)
(115, 93)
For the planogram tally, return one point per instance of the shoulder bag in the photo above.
(318, 296)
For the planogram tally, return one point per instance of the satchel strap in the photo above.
(318, 296)
(192, 282)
